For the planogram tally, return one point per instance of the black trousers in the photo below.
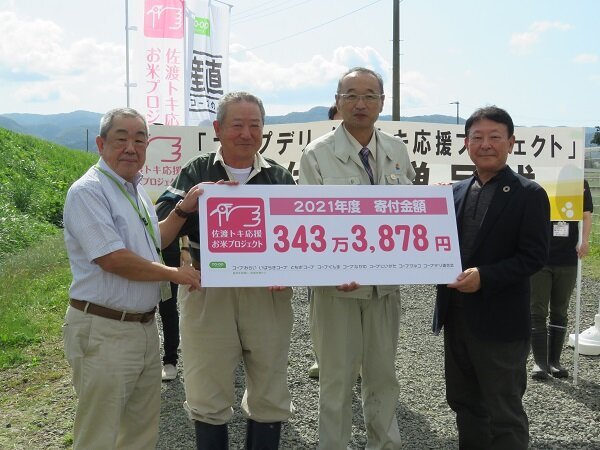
(170, 324)
(485, 383)
(167, 309)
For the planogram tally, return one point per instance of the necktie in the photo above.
(364, 157)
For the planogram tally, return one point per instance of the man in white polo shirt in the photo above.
(113, 239)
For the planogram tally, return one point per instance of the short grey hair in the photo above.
(106, 123)
(237, 97)
(363, 70)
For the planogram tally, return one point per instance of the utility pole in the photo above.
(396, 63)
(456, 103)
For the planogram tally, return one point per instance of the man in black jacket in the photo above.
(503, 231)
(221, 326)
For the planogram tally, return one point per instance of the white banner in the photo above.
(157, 58)
(265, 235)
(208, 79)
(551, 156)
(179, 59)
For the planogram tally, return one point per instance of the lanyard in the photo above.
(145, 218)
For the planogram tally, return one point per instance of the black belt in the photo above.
(114, 314)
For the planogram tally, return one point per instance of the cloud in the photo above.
(39, 48)
(523, 42)
(39, 93)
(415, 89)
(248, 70)
(9, 74)
(46, 67)
(301, 85)
(541, 27)
(584, 58)
(304, 84)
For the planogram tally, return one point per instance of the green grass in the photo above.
(34, 305)
(591, 263)
(34, 271)
(34, 178)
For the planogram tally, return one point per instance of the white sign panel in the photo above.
(553, 157)
(264, 235)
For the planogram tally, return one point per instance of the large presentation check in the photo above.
(280, 235)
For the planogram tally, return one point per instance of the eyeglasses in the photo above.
(478, 139)
(367, 98)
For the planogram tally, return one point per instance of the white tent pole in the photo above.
(577, 315)
(127, 49)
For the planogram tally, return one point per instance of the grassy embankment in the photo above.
(34, 272)
(34, 281)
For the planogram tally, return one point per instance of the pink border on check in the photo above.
(288, 206)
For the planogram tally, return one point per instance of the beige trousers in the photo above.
(349, 333)
(116, 375)
(221, 327)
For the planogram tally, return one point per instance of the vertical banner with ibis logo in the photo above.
(179, 59)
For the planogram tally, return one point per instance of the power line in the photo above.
(308, 29)
(259, 14)
(254, 8)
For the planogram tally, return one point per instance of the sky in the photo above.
(538, 59)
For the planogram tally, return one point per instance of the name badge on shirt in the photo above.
(165, 290)
(560, 229)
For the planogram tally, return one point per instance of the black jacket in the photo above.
(510, 246)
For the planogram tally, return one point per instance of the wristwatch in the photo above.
(180, 212)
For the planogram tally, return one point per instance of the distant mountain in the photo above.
(9, 124)
(312, 115)
(320, 113)
(70, 129)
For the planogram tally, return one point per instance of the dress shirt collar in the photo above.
(130, 187)
(372, 145)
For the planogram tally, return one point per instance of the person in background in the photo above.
(353, 325)
(551, 290)
(333, 113)
(113, 240)
(175, 254)
(222, 326)
(313, 371)
(503, 233)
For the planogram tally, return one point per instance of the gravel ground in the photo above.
(561, 415)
